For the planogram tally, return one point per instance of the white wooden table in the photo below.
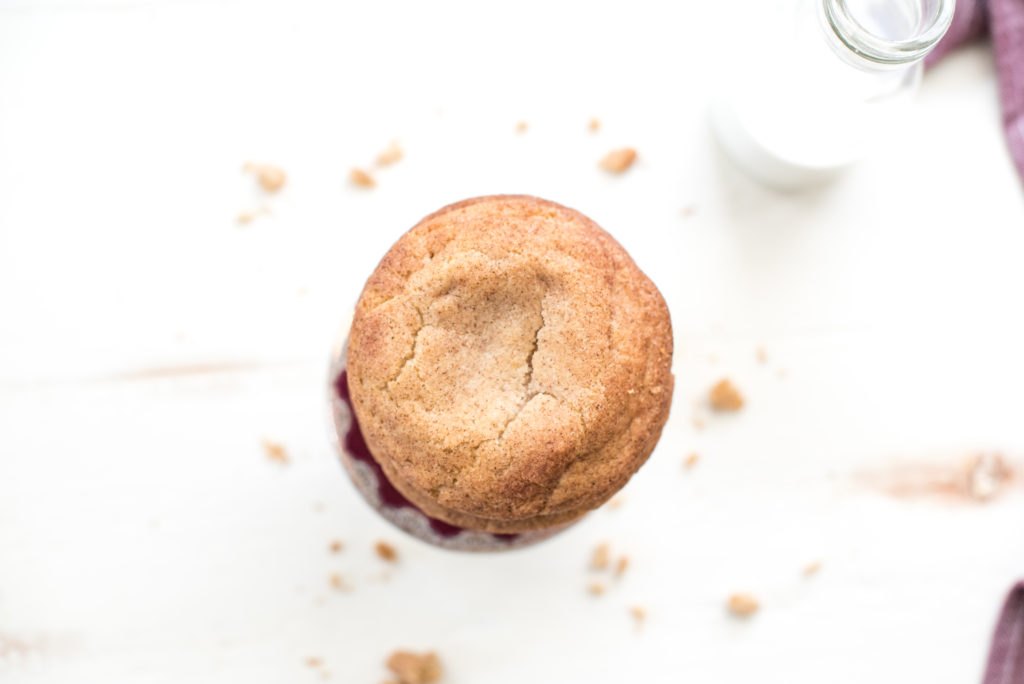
(149, 344)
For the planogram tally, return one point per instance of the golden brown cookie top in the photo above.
(509, 364)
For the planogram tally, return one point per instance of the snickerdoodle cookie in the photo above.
(509, 365)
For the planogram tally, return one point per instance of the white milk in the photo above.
(801, 104)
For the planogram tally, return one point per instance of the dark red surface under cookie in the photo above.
(355, 446)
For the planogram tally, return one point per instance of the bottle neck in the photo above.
(885, 33)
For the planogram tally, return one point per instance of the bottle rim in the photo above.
(872, 47)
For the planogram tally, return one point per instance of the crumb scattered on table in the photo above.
(275, 452)
(271, 178)
(361, 179)
(338, 582)
(596, 588)
(639, 615)
(621, 565)
(986, 475)
(618, 161)
(415, 668)
(743, 605)
(594, 125)
(600, 558)
(691, 460)
(762, 355)
(336, 546)
(725, 397)
(386, 551)
(314, 662)
(246, 217)
(390, 155)
(812, 568)
(522, 127)
(616, 502)
(978, 479)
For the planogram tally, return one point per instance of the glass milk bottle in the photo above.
(822, 83)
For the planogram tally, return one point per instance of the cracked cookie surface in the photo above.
(509, 364)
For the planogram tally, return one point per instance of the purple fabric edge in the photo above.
(1006, 657)
(1006, 19)
(970, 21)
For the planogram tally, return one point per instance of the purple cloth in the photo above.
(1006, 660)
(1004, 21)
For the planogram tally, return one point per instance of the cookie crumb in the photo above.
(386, 552)
(248, 216)
(639, 615)
(522, 127)
(616, 502)
(389, 156)
(743, 605)
(361, 179)
(621, 566)
(725, 397)
(762, 355)
(594, 125)
(415, 668)
(271, 178)
(338, 582)
(275, 452)
(336, 546)
(691, 460)
(314, 662)
(986, 475)
(596, 588)
(618, 161)
(812, 568)
(600, 559)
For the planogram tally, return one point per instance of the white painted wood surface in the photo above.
(148, 345)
